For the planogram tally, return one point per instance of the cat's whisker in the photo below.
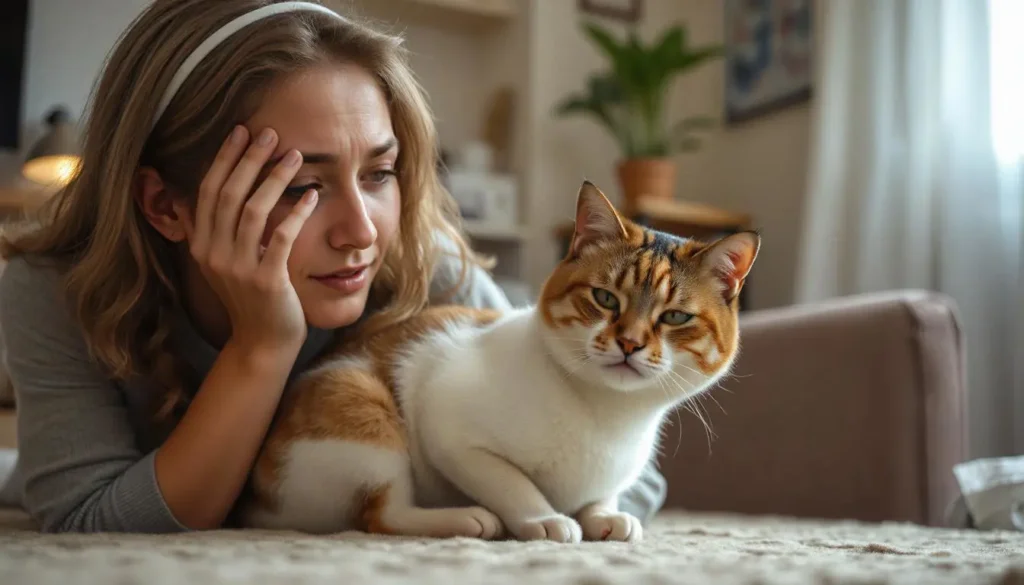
(707, 428)
(700, 406)
(681, 382)
(578, 360)
(663, 383)
(577, 363)
(564, 337)
(688, 368)
(715, 400)
(700, 397)
(688, 404)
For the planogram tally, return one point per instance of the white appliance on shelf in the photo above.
(485, 198)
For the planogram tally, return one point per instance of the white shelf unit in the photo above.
(464, 52)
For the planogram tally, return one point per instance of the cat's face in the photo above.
(632, 309)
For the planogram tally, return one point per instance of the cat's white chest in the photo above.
(574, 453)
(502, 394)
(584, 464)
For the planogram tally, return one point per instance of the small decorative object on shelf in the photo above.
(485, 197)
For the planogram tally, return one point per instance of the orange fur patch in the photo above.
(373, 504)
(351, 402)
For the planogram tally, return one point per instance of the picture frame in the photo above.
(625, 10)
(769, 51)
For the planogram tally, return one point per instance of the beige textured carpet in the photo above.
(678, 549)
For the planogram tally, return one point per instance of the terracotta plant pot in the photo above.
(646, 177)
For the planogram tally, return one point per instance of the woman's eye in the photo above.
(299, 190)
(675, 317)
(381, 176)
(606, 299)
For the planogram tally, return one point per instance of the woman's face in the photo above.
(337, 117)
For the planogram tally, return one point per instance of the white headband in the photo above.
(218, 37)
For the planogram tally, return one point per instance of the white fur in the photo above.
(485, 404)
(320, 481)
(527, 422)
(324, 481)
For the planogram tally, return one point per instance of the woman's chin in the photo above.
(335, 314)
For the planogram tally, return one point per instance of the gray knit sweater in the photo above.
(85, 461)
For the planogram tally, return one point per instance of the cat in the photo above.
(528, 423)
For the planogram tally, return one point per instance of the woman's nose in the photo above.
(352, 226)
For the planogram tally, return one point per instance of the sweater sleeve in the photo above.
(475, 289)
(645, 497)
(80, 468)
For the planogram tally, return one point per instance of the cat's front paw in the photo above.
(612, 526)
(489, 523)
(559, 528)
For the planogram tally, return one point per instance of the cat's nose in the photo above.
(628, 345)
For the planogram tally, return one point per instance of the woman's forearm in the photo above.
(203, 465)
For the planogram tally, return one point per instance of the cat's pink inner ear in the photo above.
(730, 260)
(596, 219)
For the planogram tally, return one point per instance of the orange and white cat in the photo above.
(463, 422)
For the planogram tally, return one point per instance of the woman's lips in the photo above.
(345, 281)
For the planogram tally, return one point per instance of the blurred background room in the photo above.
(877, 145)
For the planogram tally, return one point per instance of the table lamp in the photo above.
(53, 160)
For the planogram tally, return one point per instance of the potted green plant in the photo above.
(628, 99)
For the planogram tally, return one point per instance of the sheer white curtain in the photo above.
(916, 178)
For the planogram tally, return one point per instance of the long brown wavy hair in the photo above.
(121, 277)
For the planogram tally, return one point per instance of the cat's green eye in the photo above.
(675, 317)
(606, 299)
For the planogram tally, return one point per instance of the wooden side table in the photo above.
(688, 219)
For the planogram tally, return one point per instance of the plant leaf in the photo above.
(669, 51)
(604, 41)
(606, 88)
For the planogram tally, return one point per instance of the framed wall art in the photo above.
(769, 47)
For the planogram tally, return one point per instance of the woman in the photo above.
(256, 176)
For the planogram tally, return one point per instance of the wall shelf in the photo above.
(484, 231)
(491, 8)
(468, 15)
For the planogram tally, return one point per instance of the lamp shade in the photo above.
(53, 160)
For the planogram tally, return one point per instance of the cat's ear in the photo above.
(729, 261)
(596, 219)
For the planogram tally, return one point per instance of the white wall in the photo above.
(68, 42)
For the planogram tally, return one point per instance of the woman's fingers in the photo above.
(255, 211)
(209, 190)
(275, 258)
(233, 194)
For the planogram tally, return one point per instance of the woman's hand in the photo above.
(226, 241)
